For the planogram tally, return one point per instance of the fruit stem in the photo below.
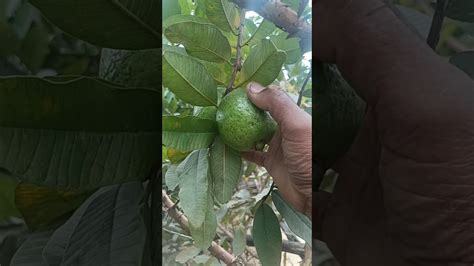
(238, 60)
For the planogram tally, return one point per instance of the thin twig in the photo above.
(238, 59)
(300, 97)
(216, 250)
(437, 23)
(451, 42)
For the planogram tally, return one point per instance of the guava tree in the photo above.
(216, 205)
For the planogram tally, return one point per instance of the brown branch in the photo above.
(280, 14)
(216, 250)
(238, 59)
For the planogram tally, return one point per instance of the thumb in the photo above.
(274, 100)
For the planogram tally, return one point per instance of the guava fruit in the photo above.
(242, 125)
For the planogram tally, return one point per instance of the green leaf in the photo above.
(188, 133)
(42, 206)
(200, 38)
(118, 24)
(188, 79)
(291, 46)
(30, 252)
(76, 132)
(176, 156)
(204, 234)
(170, 8)
(131, 68)
(194, 186)
(462, 10)
(7, 197)
(171, 177)
(298, 222)
(225, 166)
(187, 254)
(267, 236)
(265, 29)
(262, 65)
(220, 72)
(223, 14)
(239, 242)
(35, 47)
(108, 229)
(9, 42)
(465, 62)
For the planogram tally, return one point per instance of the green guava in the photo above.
(243, 126)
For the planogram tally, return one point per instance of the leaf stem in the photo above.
(300, 97)
(238, 59)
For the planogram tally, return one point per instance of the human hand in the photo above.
(289, 158)
(407, 181)
(333, 17)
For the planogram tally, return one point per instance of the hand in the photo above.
(288, 159)
(406, 185)
(332, 19)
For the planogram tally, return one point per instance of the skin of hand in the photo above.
(405, 193)
(289, 158)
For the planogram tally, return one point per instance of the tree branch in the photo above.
(179, 217)
(238, 59)
(281, 15)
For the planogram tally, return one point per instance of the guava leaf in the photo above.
(262, 65)
(464, 61)
(176, 156)
(188, 133)
(298, 222)
(204, 234)
(291, 46)
(264, 29)
(267, 236)
(41, 206)
(188, 79)
(462, 10)
(194, 186)
(222, 13)
(108, 229)
(30, 252)
(131, 68)
(187, 254)
(77, 133)
(7, 196)
(220, 72)
(201, 38)
(239, 242)
(118, 24)
(225, 165)
(170, 8)
(171, 177)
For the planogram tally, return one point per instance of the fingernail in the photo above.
(256, 88)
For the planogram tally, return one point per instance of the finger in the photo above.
(274, 100)
(257, 157)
